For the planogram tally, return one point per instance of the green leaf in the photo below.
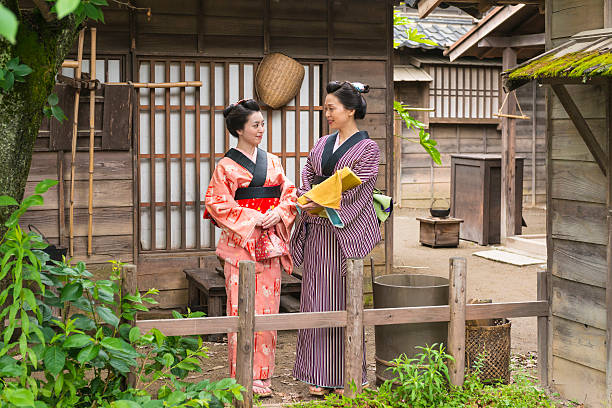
(32, 200)
(45, 185)
(77, 341)
(12, 64)
(53, 99)
(58, 113)
(116, 344)
(8, 24)
(9, 367)
(84, 323)
(107, 315)
(7, 200)
(22, 70)
(8, 81)
(134, 334)
(72, 291)
(124, 404)
(54, 359)
(175, 397)
(21, 397)
(65, 7)
(168, 359)
(88, 353)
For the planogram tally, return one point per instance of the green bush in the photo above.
(81, 356)
(423, 382)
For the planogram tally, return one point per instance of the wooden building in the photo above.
(459, 81)
(580, 190)
(151, 172)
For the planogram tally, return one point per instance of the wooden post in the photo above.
(353, 337)
(508, 162)
(129, 286)
(75, 123)
(246, 334)
(542, 331)
(92, 117)
(456, 325)
(609, 255)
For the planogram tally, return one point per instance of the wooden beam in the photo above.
(353, 339)
(427, 6)
(508, 158)
(246, 332)
(517, 41)
(609, 255)
(315, 320)
(543, 331)
(456, 325)
(607, 13)
(582, 126)
(481, 31)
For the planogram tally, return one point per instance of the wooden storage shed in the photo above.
(579, 195)
(151, 173)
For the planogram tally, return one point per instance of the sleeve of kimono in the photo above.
(225, 210)
(354, 200)
(286, 209)
(308, 174)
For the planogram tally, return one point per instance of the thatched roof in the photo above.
(586, 55)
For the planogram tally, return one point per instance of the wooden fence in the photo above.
(354, 318)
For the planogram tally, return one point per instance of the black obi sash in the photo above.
(259, 170)
(329, 159)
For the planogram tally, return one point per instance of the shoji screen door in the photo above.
(182, 135)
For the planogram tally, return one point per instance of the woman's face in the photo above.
(254, 129)
(336, 114)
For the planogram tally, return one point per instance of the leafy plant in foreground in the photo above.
(69, 341)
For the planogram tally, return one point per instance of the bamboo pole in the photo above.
(183, 84)
(456, 326)
(92, 116)
(75, 122)
(353, 337)
(246, 331)
(70, 64)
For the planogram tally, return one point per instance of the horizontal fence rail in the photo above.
(318, 320)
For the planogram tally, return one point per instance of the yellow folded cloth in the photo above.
(328, 193)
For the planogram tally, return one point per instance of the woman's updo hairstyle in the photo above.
(237, 114)
(349, 94)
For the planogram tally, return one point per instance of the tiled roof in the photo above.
(443, 31)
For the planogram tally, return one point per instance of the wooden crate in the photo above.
(439, 232)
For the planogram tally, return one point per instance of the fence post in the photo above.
(246, 334)
(542, 331)
(353, 351)
(456, 326)
(129, 286)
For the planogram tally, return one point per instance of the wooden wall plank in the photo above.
(583, 180)
(579, 343)
(579, 221)
(590, 99)
(579, 383)
(578, 302)
(570, 17)
(368, 72)
(580, 261)
(567, 143)
(106, 221)
(107, 193)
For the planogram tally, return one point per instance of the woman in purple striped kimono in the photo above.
(321, 247)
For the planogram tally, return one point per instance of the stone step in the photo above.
(532, 245)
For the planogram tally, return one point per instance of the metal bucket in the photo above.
(404, 290)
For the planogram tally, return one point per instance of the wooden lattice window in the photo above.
(185, 129)
(463, 92)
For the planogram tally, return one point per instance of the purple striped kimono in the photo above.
(323, 250)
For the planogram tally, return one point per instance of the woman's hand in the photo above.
(309, 206)
(270, 219)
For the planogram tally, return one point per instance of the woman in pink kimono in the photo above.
(253, 203)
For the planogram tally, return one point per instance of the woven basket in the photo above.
(278, 79)
(493, 344)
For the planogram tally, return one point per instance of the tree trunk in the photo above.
(42, 46)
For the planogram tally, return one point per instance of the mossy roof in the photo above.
(586, 55)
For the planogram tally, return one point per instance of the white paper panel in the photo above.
(175, 180)
(160, 231)
(175, 227)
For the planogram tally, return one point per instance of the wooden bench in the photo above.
(206, 291)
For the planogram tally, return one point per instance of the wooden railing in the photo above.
(354, 318)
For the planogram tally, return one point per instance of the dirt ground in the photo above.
(485, 279)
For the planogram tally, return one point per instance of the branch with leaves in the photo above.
(425, 139)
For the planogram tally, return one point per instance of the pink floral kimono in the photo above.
(239, 190)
